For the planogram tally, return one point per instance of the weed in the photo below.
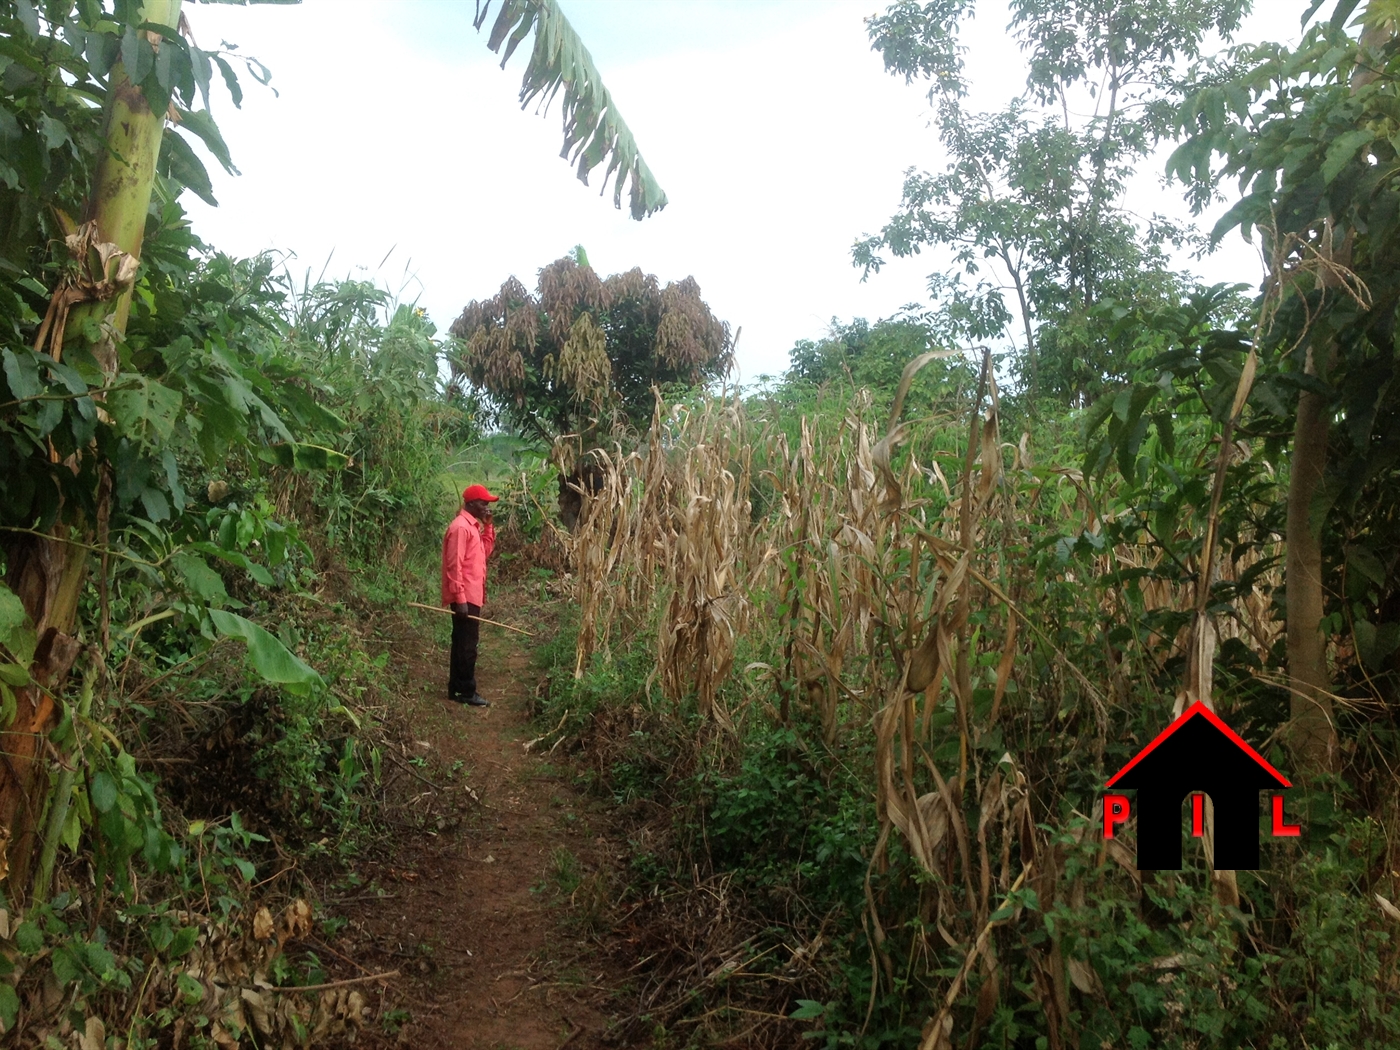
(394, 1020)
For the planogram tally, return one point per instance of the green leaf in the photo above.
(183, 941)
(594, 132)
(230, 81)
(72, 829)
(203, 581)
(55, 134)
(1342, 149)
(22, 373)
(28, 17)
(155, 503)
(145, 407)
(66, 967)
(130, 53)
(1375, 643)
(9, 1006)
(201, 124)
(271, 659)
(16, 632)
(807, 1010)
(29, 938)
(172, 480)
(296, 456)
(101, 51)
(1364, 561)
(1165, 432)
(203, 71)
(12, 612)
(164, 57)
(178, 162)
(1342, 12)
(190, 989)
(233, 557)
(103, 792)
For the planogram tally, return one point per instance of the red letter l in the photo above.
(1282, 830)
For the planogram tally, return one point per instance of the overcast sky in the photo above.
(772, 126)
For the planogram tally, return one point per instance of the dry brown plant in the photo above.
(860, 575)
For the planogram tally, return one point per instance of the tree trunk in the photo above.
(1314, 734)
(48, 573)
(1314, 737)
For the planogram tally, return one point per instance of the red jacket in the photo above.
(465, 548)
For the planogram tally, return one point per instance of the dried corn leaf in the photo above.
(1389, 909)
(1083, 976)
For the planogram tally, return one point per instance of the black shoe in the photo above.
(476, 700)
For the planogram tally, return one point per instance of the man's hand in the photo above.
(461, 610)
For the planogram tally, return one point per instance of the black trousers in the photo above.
(461, 678)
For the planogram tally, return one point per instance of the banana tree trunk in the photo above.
(48, 573)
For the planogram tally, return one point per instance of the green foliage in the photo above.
(377, 368)
(593, 130)
(873, 357)
(786, 820)
(56, 60)
(1030, 202)
(1306, 133)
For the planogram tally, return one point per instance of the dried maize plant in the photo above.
(647, 565)
(959, 826)
(707, 607)
(607, 513)
(835, 552)
(622, 550)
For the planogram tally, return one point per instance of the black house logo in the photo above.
(1197, 755)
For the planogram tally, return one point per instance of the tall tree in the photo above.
(1033, 193)
(1307, 132)
(583, 352)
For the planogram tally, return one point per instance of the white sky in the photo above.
(772, 126)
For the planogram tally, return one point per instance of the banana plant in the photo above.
(594, 130)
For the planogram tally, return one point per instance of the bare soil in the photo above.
(492, 925)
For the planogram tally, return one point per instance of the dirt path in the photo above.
(487, 923)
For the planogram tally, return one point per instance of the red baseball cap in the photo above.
(478, 492)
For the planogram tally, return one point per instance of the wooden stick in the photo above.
(493, 623)
(336, 984)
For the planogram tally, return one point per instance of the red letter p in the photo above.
(1115, 811)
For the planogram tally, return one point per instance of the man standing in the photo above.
(465, 548)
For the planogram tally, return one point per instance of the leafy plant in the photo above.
(584, 352)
